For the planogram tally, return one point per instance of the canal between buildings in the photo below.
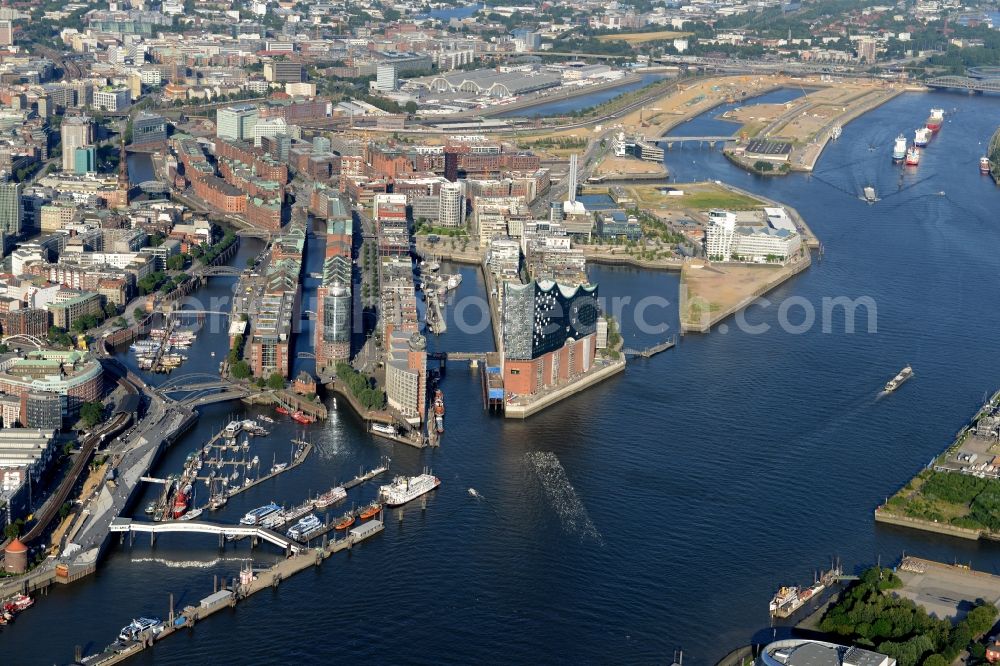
(660, 509)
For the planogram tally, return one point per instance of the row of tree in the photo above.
(899, 628)
(361, 387)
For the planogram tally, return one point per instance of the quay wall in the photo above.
(843, 120)
(544, 100)
(927, 525)
(515, 411)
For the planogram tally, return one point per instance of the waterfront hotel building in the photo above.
(549, 334)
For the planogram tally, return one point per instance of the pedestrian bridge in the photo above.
(127, 525)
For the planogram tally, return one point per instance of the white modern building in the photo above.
(269, 127)
(29, 449)
(451, 206)
(504, 258)
(799, 652)
(773, 242)
(236, 122)
(113, 99)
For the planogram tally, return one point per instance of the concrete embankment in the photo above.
(596, 257)
(528, 104)
(520, 410)
(809, 163)
(882, 516)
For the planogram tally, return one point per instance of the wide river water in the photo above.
(662, 508)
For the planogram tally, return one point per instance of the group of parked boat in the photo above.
(9, 608)
(298, 416)
(910, 154)
(439, 282)
(224, 464)
(158, 352)
(271, 516)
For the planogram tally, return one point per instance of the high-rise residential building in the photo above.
(45, 108)
(451, 205)
(450, 164)
(11, 210)
(385, 77)
(76, 131)
(406, 374)
(85, 159)
(6, 32)
(867, 49)
(236, 122)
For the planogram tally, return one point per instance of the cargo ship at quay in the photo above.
(787, 600)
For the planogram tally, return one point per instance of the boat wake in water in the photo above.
(562, 496)
(188, 564)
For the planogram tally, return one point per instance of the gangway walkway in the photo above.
(127, 525)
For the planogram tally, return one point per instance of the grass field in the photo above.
(634, 38)
(697, 196)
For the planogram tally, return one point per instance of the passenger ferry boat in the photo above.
(331, 496)
(384, 429)
(136, 628)
(304, 527)
(405, 489)
(257, 515)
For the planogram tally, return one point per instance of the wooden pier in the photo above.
(651, 351)
(367, 476)
(241, 589)
(302, 454)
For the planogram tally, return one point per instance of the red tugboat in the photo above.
(371, 511)
(300, 417)
(439, 410)
(345, 522)
(281, 410)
